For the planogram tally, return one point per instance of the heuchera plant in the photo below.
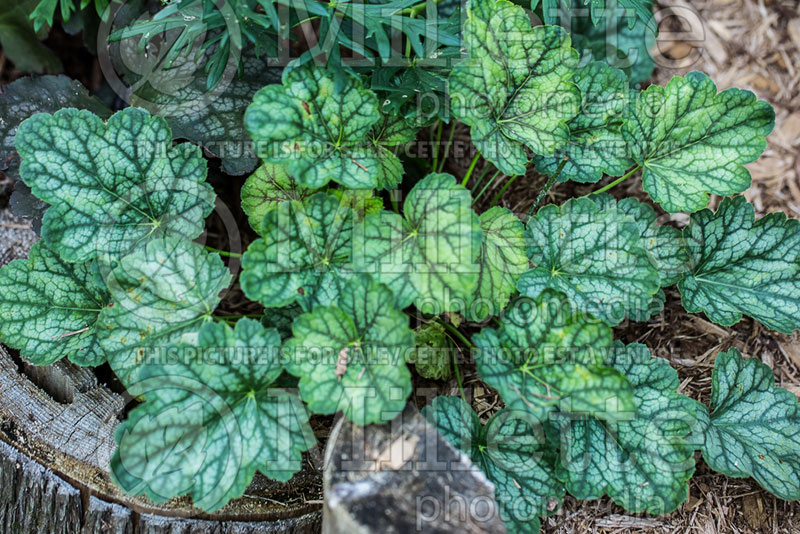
(118, 278)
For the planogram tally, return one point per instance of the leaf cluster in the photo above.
(118, 277)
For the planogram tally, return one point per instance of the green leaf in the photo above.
(643, 462)
(208, 424)
(362, 201)
(430, 257)
(391, 131)
(112, 187)
(598, 9)
(49, 308)
(161, 294)
(754, 427)
(316, 129)
(544, 356)
(740, 266)
(514, 91)
(596, 146)
(281, 319)
(692, 141)
(502, 261)
(591, 254)
(213, 118)
(664, 245)
(511, 452)
(304, 255)
(351, 357)
(44, 94)
(616, 42)
(265, 189)
(20, 41)
(433, 351)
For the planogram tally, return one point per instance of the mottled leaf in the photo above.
(514, 91)
(351, 357)
(42, 94)
(111, 187)
(741, 266)
(692, 141)
(596, 146)
(49, 308)
(545, 356)
(511, 452)
(664, 244)
(161, 294)
(265, 189)
(430, 256)
(754, 427)
(316, 129)
(643, 461)
(502, 261)
(303, 256)
(213, 118)
(208, 424)
(593, 255)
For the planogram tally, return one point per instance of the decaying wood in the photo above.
(403, 477)
(54, 457)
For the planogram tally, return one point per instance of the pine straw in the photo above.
(748, 44)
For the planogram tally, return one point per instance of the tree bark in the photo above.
(54, 454)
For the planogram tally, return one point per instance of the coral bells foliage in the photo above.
(117, 276)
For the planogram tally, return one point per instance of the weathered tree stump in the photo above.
(56, 440)
(403, 477)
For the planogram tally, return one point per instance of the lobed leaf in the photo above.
(212, 118)
(643, 461)
(514, 91)
(351, 356)
(112, 187)
(511, 452)
(265, 189)
(665, 246)
(692, 141)
(502, 261)
(742, 266)
(161, 295)
(613, 40)
(49, 308)
(43, 94)
(209, 423)
(595, 147)
(544, 356)
(430, 256)
(592, 254)
(316, 129)
(304, 255)
(753, 429)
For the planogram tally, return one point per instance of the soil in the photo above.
(742, 43)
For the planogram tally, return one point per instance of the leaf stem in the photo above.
(618, 180)
(436, 146)
(248, 315)
(447, 147)
(471, 168)
(504, 188)
(457, 372)
(547, 186)
(456, 332)
(487, 186)
(223, 252)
